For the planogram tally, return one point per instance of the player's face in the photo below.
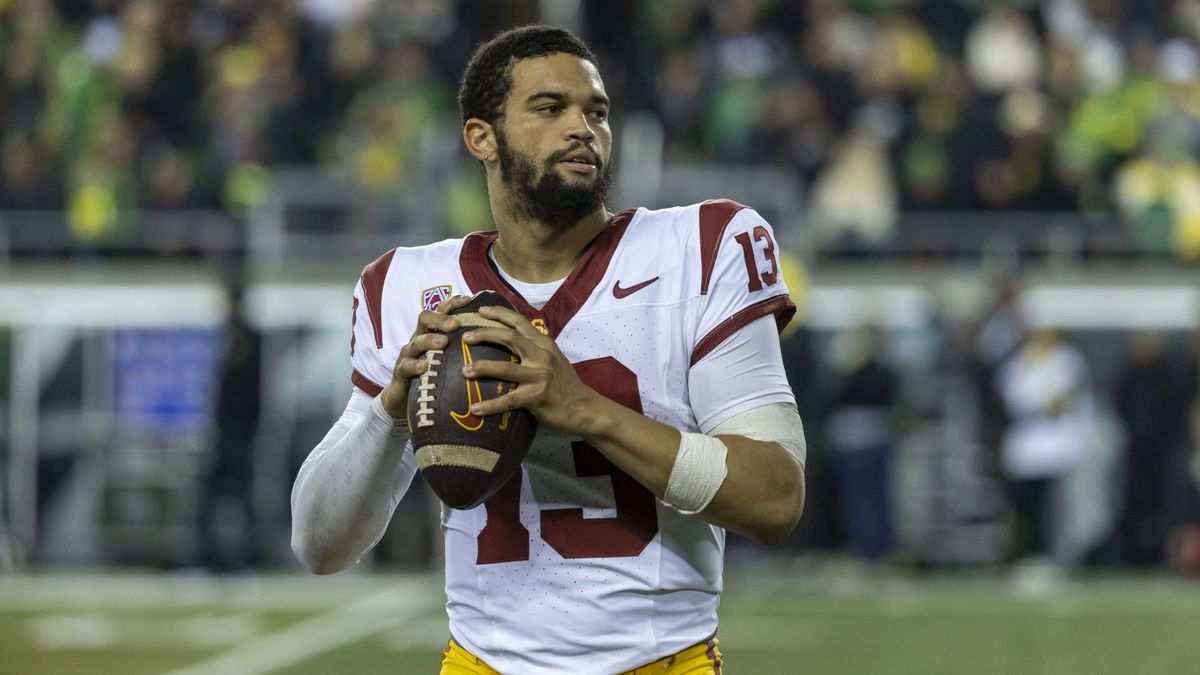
(554, 142)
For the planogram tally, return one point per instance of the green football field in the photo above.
(771, 622)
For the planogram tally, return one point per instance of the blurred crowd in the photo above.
(882, 106)
(1108, 436)
(1075, 449)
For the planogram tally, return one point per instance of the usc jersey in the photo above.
(573, 566)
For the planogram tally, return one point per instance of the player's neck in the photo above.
(535, 252)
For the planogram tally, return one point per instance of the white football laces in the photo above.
(425, 412)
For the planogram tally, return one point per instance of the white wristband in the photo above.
(698, 473)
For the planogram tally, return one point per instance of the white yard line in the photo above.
(132, 592)
(95, 630)
(362, 618)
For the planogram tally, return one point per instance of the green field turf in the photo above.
(770, 623)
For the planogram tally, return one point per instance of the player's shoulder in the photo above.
(394, 287)
(401, 267)
(691, 231)
(706, 219)
(405, 257)
(684, 242)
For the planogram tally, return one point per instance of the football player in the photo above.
(648, 353)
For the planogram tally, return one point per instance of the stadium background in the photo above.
(953, 173)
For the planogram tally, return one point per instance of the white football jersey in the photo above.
(573, 566)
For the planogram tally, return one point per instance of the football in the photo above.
(466, 458)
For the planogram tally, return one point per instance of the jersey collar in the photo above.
(575, 290)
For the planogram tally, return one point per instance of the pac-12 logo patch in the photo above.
(432, 297)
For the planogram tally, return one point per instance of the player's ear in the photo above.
(480, 139)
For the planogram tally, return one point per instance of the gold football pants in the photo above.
(703, 658)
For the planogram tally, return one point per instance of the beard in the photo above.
(550, 199)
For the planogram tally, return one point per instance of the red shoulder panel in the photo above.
(373, 276)
(780, 305)
(715, 215)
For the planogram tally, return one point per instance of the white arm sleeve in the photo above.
(348, 488)
(745, 371)
(775, 423)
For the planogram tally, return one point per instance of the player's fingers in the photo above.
(499, 370)
(517, 398)
(409, 367)
(516, 343)
(452, 303)
(513, 320)
(426, 342)
(431, 322)
(411, 361)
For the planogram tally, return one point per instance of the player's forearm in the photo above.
(346, 491)
(761, 497)
(641, 447)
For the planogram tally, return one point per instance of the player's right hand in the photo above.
(429, 335)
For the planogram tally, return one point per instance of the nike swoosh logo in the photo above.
(619, 292)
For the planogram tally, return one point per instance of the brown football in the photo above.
(465, 458)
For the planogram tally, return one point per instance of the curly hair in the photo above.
(488, 77)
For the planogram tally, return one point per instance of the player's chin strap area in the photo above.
(700, 467)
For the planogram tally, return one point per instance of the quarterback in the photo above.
(649, 355)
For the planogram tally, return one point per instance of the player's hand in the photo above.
(547, 384)
(429, 335)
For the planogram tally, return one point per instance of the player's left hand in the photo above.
(547, 384)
